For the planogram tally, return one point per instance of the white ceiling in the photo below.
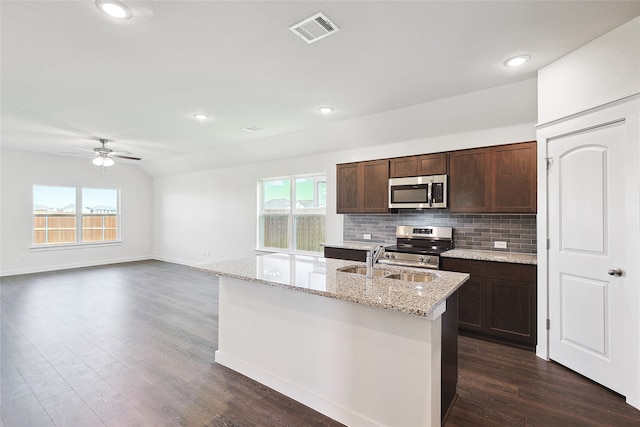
(71, 74)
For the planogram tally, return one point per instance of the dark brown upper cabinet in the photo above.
(428, 164)
(500, 179)
(514, 174)
(470, 180)
(363, 187)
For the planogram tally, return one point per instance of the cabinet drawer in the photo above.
(491, 269)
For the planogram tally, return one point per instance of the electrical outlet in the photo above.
(500, 244)
(366, 236)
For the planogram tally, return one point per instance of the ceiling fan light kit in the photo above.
(103, 161)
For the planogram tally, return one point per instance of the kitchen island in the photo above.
(362, 351)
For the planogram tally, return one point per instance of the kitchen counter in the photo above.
(320, 276)
(508, 257)
(329, 338)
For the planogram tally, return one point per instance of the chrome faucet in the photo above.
(372, 258)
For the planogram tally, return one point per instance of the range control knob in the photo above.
(387, 255)
(421, 258)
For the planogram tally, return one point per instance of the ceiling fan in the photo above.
(104, 155)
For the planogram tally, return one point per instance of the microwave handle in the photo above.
(429, 192)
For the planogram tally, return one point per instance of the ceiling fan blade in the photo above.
(125, 157)
(73, 153)
(120, 153)
(84, 149)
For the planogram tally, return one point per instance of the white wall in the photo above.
(21, 170)
(216, 210)
(603, 71)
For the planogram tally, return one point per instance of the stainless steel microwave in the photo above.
(419, 192)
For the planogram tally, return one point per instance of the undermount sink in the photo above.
(409, 277)
(362, 270)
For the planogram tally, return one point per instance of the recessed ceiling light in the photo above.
(326, 110)
(516, 61)
(200, 116)
(114, 8)
(252, 128)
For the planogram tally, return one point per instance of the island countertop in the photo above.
(321, 276)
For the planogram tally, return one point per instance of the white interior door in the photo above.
(586, 231)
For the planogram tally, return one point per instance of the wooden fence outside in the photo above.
(60, 228)
(310, 231)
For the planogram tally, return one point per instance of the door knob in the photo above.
(615, 272)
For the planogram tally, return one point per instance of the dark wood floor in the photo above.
(132, 345)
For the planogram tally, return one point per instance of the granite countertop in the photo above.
(320, 276)
(510, 257)
(348, 244)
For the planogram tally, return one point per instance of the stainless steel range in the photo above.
(419, 246)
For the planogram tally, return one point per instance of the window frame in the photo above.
(79, 216)
(291, 214)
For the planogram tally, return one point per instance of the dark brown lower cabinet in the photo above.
(498, 301)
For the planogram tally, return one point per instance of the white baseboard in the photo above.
(177, 261)
(42, 269)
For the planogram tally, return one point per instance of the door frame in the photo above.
(627, 109)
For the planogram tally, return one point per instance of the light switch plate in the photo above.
(499, 244)
(366, 236)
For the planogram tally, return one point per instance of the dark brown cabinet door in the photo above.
(348, 188)
(363, 187)
(510, 310)
(433, 164)
(470, 304)
(376, 186)
(428, 164)
(470, 181)
(513, 170)
(403, 167)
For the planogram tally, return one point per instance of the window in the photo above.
(58, 221)
(297, 226)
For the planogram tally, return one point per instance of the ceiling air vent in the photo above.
(314, 28)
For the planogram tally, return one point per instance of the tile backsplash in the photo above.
(470, 231)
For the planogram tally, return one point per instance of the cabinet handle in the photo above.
(615, 272)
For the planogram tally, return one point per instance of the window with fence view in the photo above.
(292, 213)
(57, 220)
